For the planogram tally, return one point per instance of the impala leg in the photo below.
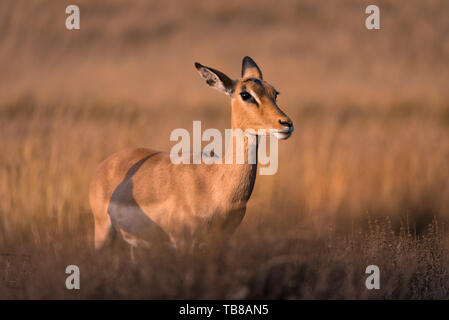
(133, 254)
(104, 233)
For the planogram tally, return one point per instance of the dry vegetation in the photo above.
(364, 179)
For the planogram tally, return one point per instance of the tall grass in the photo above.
(363, 180)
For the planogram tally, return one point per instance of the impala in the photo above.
(146, 199)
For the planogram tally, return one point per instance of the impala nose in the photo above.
(288, 123)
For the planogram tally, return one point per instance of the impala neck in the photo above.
(241, 177)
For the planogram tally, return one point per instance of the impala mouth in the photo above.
(282, 135)
(279, 134)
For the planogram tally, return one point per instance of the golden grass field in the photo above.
(363, 180)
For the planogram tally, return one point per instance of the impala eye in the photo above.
(246, 96)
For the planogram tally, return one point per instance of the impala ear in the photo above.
(216, 79)
(250, 69)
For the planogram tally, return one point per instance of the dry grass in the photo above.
(371, 113)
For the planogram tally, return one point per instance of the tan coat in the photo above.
(141, 195)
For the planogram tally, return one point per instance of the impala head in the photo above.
(253, 100)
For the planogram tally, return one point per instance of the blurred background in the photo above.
(370, 108)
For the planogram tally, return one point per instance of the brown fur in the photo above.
(148, 200)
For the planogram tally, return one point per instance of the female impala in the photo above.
(144, 197)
